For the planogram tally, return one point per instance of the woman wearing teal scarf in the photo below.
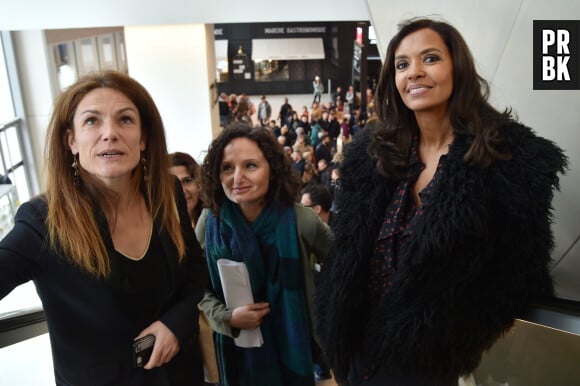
(251, 190)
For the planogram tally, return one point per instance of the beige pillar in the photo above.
(176, 63)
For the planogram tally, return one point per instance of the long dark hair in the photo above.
(284, 182)
(469, 110)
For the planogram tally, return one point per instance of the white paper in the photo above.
(238, 292)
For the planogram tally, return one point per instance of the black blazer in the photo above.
(91, 334)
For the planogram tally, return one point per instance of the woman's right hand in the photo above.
(250, 316)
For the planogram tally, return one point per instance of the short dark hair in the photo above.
(284, 182)
(319, 195)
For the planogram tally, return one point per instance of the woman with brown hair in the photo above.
(188, 171)
(110, 246)
(442, 235)
(253, 219)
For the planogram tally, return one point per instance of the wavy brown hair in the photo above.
(72, 210)
(284, 182)
(469, 110)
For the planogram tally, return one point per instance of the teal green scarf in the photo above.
(269, 247)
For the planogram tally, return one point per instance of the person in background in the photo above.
(319, 198)
(337, 159)
(188, 171)
(288, 151)
(298, 162)
(323, 121)
(324, 149)
(300, 143)
(345, 136)
(251, 190)
(350, 99)
(333, 129)
(324, 170)
(290, 134)
(264, 111)
(233, 104)
(251, 108)
(282, 140)
(285, 113)
(308, 155)
(294, 120)
(109, 245)
(337, 94)
(369, 96)
(331, 108)
(318, 89)
(315, 113)
(315, 134)
(310, 175)
(243, 112)
(357, 122)
(334, 186)
(184, 167)
(305, 125)
(274, 129)
(283, 133)
(224, 108)
(442, 234)
(305, 114)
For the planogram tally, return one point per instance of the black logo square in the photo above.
(556, 54)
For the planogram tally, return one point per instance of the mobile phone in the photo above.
(142, 349)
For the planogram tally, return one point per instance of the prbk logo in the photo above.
(556, 54)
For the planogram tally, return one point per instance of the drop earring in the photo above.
(75, 167)
(144, 166)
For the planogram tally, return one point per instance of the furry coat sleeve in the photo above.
(477, 259)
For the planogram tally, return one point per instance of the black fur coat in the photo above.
(478, 257)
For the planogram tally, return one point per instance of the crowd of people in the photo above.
(345, 107)
(313, 136)
(390, 249)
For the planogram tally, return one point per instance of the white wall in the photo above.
(499, 33)
(553, 114)
(43, 14)
(174, 63)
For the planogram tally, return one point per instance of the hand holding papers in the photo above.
(238, 292)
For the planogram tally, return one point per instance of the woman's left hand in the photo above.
(166, 344)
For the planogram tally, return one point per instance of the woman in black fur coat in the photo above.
(443, 230)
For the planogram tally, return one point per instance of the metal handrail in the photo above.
(19, 325)
(13, 123)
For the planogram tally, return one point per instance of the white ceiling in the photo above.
(52, 14)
